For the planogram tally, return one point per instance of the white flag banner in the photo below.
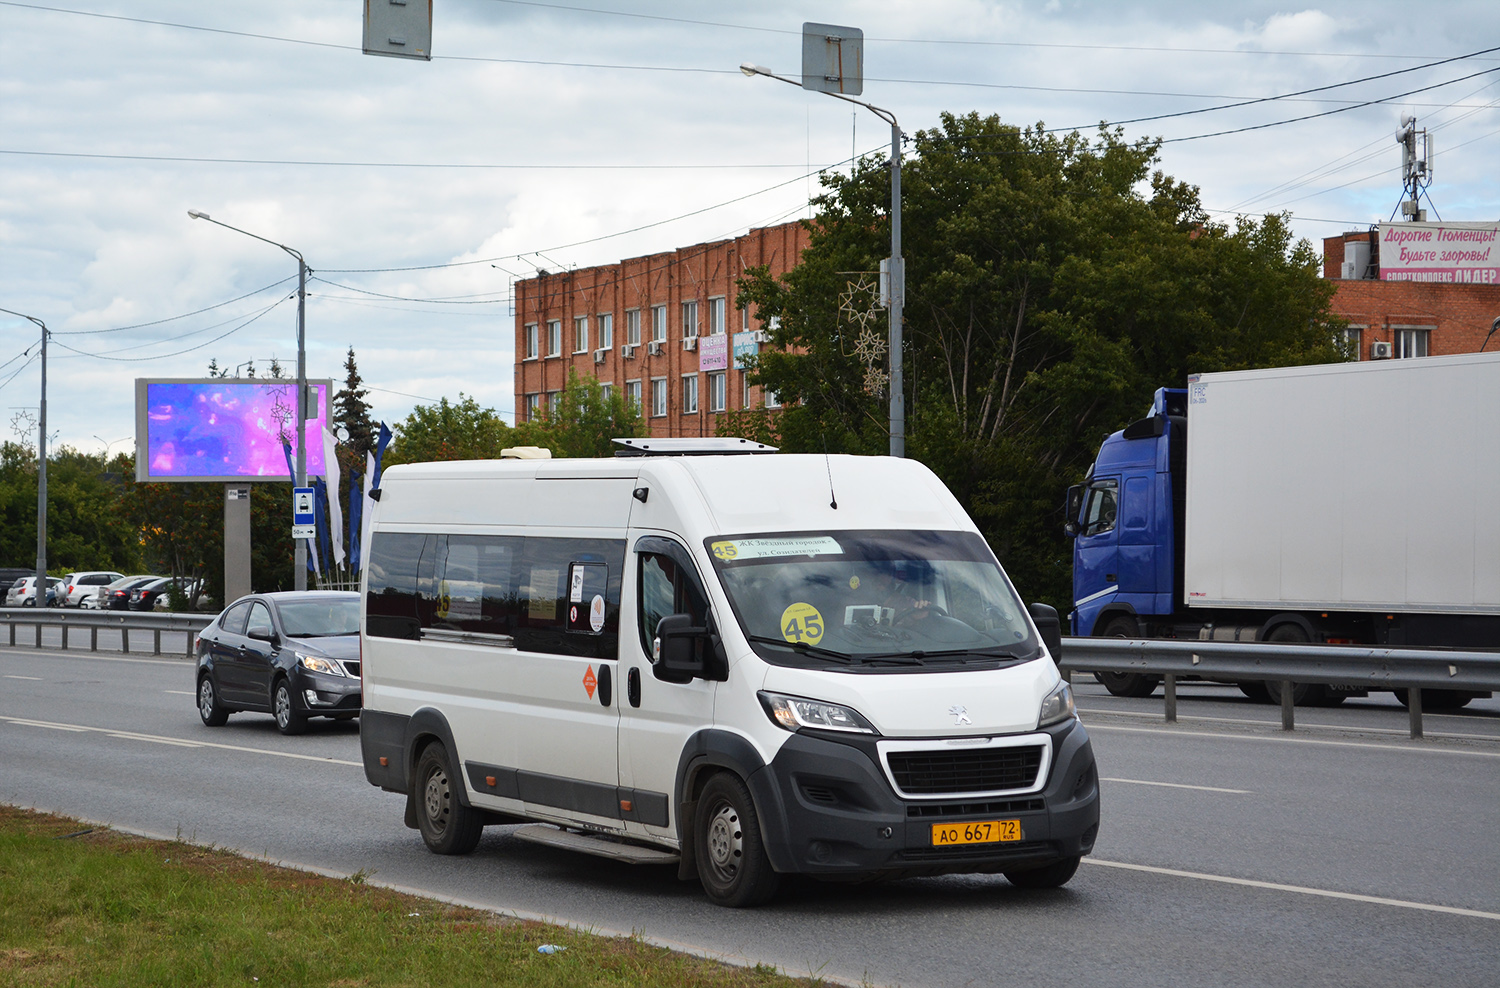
(335, 510)
(367, 515)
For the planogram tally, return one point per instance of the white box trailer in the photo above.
(1367, 486)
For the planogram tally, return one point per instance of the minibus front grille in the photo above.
(934, 773)
(1001, 807)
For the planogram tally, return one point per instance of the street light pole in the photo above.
(300, 565)
(897, 267)
(41, 472)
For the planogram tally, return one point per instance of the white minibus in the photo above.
(708, 654)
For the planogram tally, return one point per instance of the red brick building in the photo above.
(1405, 318)
(667, 329)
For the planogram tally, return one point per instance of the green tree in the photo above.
(461, 430)
(84, 529)
(352, 411)
(586, 421)
(1053, 282)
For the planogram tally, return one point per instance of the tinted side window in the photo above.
(1103, 506)
(260, 621)
(666, 588)
(233, 620)
(391, 600)
(476, 584)
(545, 585)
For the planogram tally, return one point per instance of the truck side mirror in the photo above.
(1044, 616)
(678, 651)
(1073, 506)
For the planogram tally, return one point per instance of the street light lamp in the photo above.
(41, 470)
(896, 274)
(300, 578)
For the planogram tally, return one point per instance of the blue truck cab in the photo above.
(1126, 520)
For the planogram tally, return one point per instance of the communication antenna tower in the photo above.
(1416, 167)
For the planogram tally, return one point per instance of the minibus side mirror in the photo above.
(679, 649)
(1044, 616)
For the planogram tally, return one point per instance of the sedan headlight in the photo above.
(1058, 706)
(316, 663)
(793, 712)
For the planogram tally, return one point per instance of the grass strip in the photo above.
(95, 907)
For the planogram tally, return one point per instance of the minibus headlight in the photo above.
(316, 663)
(794, 712)
(1058, 706)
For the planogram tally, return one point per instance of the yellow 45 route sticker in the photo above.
(802, 623)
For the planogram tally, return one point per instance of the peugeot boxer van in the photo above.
(708, 654)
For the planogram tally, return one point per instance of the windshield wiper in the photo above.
(918, 655)
(804, 648)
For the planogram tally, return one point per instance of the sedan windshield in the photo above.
(873, 598)
(319, 618)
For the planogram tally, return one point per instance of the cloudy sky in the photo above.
(549, 135)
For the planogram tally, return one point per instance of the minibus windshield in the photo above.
(873, 599)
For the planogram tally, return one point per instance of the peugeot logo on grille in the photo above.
(960, 716)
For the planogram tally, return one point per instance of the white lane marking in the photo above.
(1348, 728)
(1417, 748)
(1177, 785)
(35, 679)
(181, 692)
(1299, 889)
(134, 736)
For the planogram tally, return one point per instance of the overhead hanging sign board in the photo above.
(399, 28)
(1455, 253)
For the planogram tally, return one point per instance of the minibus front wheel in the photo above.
(731, 857)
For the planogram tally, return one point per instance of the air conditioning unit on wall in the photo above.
(599, 355)
(1380, 350)
(654, 348)
(691, 343)
(627, 350)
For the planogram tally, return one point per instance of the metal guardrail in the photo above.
(1364, 667)
(124, 622)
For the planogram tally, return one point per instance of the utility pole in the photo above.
(41, 471)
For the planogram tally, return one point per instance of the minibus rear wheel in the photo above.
(732, 862)
(447, 825)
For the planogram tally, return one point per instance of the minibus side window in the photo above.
(391, 600)
(476, 589)
(666, 588)
(544, 580)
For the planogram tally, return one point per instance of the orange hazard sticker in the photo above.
(590, 682)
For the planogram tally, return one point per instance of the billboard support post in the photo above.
(236, 542)
(300, 576)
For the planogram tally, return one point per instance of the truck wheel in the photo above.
(1050, 876)
(1437, 699)
(732, 862)
(1303, 694)
(1126, 683)
(447, 825)
(1255, 690)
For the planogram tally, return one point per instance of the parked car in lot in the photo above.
(143, 596)
(192, 590)
(83, 585)
(294, 655)
(22, 593)
(116, 596)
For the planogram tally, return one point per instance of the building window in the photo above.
(633, 395)
(633, 327)
(745, 384)
(1412, 342)
(745, 319)
(554, 337)
(1352, 340)
(606, 330)
(606, 391)
(716, 325)
(658, 397)
(717, 390)
(659, 323)
(689, 394)
(771, 398)
(533, 407)
(554, 402)
(531, 340)
(689, 319)
(580, 334)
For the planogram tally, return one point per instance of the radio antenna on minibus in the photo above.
(833, 501)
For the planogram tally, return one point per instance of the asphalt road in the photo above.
(1230, 853)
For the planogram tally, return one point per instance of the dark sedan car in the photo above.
(293, 655)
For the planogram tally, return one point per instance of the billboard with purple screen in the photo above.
(223, 428)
